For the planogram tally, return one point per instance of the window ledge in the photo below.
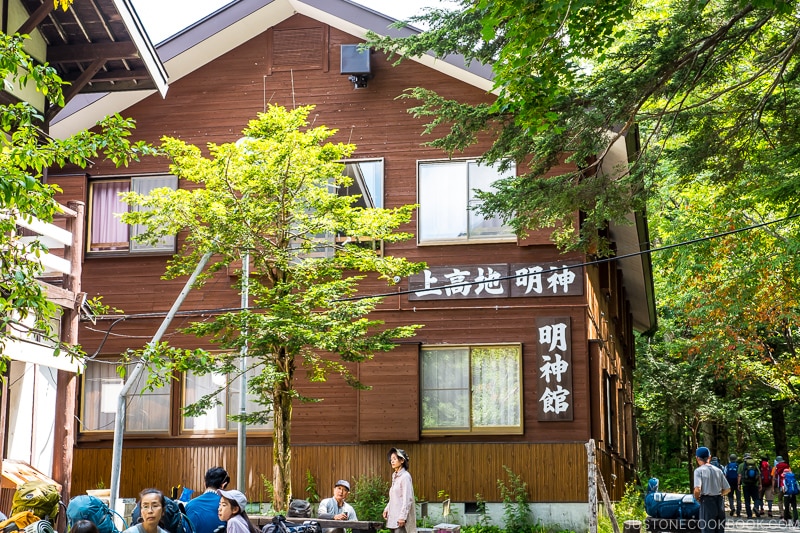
(497, 240)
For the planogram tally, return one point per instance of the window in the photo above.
(447, 202)
(472, 389)
(216, 418)
(609, 395)
(367, 176)
(147, 411)
(107, 233)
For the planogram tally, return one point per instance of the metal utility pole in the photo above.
(119, 422)
(241, 440)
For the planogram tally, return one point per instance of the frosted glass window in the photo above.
(448, 201)
(146, 411)
(216, 418)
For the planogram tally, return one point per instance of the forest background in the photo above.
(709, 92)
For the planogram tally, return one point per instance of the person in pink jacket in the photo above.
(400, 513)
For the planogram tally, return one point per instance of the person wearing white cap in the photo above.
(336, 508)
(232, 504)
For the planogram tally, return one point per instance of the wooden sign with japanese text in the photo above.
(554, 368)
(496, 280)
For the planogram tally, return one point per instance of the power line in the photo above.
(198, 312)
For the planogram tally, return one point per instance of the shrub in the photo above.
(369, 497)
(630, 507)
(516, 512)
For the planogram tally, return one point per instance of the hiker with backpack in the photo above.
(789, 489)
(766, 486)
(732, 475)
(780, 466)
(750, 482)
(151, 506)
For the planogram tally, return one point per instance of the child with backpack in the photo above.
(790, 489)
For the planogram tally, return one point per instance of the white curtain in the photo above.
(108, 232)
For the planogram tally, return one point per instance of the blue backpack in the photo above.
(732, 473)
(790, 486)
(93, 509)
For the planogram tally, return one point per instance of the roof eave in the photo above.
(148, 52)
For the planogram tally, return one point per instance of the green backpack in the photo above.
(39, 497)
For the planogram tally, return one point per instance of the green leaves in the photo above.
(274, 197)
(25, 152)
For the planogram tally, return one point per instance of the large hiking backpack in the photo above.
(280, 525)
(39, 497)
(790, 484)
(174, 518)
(766, 476)
(19, 521)
(299, 509)
(732, 474)
(666, 505)
(751, 473)
(95, 510)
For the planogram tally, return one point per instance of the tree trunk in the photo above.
(779, 427)
(281, 435)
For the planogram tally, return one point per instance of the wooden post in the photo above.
(590, 459)
(607, 502)
(66, 389)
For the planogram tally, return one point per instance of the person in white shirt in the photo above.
(336, 508)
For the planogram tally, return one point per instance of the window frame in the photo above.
(470, 202)
(169, 247)
(472, 430)
(83, 430)
(230, 427)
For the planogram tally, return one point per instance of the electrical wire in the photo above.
(647, 251)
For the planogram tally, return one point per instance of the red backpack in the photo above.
(766, 478)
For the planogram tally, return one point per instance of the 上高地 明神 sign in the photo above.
(497, 280)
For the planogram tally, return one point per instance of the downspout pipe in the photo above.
(119, 422)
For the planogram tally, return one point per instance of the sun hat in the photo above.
(401, 454)
(234, 495)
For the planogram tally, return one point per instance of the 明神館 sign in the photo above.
(518, 280)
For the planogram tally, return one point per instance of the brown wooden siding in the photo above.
(461, 469)
(213, 104)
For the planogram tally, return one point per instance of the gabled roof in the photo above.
(237, 23)
(96, 45)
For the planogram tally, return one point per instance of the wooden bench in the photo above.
(362, 525)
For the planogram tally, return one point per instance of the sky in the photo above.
(163, 18)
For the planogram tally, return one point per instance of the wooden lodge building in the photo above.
(561, 332)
